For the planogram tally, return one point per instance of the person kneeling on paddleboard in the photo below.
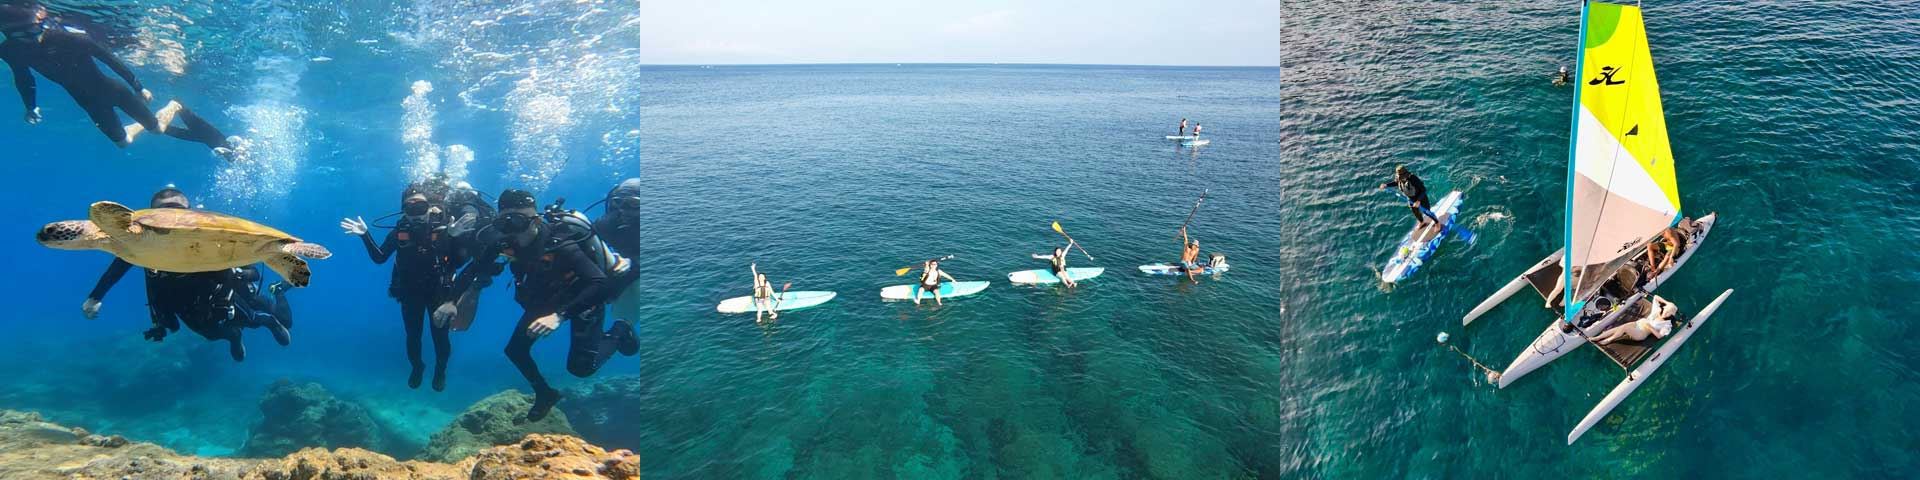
(1415, 192)
(1657, 323)
(762, 295)
(1058, 263)
(930, 276)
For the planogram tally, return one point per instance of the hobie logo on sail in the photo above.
(1606, 77)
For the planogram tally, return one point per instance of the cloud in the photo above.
(987, 23)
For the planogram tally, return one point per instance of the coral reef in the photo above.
(301, 415)
(33, 449)
(496, 420)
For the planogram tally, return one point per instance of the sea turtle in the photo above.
(182, 240)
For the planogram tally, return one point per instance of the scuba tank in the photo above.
(573, 227)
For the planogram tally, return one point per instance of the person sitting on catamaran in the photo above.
(763, 302)
(1057, 262)
(1415, 192)
(1657, 323)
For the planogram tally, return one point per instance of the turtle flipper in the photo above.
(309, 250)
(290, 267)
(113, 218)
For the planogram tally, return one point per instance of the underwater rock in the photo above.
(301, 415)
(26, 456)
(496, 420)
(603, 410)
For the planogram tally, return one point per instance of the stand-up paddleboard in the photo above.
(1180, 137)
(1419, 243)
(1195, 143)
(947, 290)
(1172, 269)
(779, 303)
(1046, 275)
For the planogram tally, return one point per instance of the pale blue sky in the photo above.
(1138, 32)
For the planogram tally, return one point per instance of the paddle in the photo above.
(1196, 209)
(1070, 241)
(782, 296)
(903, 270)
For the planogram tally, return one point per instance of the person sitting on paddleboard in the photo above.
(1415, 191)
(1183, 127)
(1058, 263)
(762, 295)
(930, 276)
(1657, 323)
(1190, 255)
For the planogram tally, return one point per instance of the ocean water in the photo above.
(1793, 120)
(831, 176)
(531, 94)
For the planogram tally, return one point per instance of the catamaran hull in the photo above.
(1554, 343)
(1518, 283)
(1640, 373)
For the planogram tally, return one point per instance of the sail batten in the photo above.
(1621, 190)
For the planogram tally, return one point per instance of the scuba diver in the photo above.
(36, 43)
(619, 227)
(253, 309)
(560, 270)
(421, 274)
(201, 300)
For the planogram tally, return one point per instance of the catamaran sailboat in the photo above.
(1621, 196)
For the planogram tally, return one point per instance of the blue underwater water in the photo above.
(527, 94)
(1793, 120)
(832, 176)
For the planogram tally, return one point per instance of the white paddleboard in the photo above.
(782, 302)
(1046, 275)
(947, 290)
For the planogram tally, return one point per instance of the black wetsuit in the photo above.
(67, 58)
(252, 308)
(1415, 191)
(197, 300)
(558, 277)
(623, 236)
(422, 277)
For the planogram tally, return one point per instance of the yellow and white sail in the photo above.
(1621, 190)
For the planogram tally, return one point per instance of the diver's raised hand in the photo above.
(443, 314)
(354, 226)
(90, 308)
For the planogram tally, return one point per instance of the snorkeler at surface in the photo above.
(198, 299)
(35, 44)
(555, 278)
(421, 275)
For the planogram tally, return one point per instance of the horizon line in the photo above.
(644, 64)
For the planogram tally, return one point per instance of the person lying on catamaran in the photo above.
(1657, 323)
(1189, 255)
(763, 302)
(1057, 262)
(930, 276)
(1415, 192)
(1183, 126)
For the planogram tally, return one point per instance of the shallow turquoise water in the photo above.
(1793, 120)
(832, 176)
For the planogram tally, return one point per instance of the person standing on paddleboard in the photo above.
(762, 296)
(1183, 127)
(1057, 262)
(930, 276)
(1415, 191)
